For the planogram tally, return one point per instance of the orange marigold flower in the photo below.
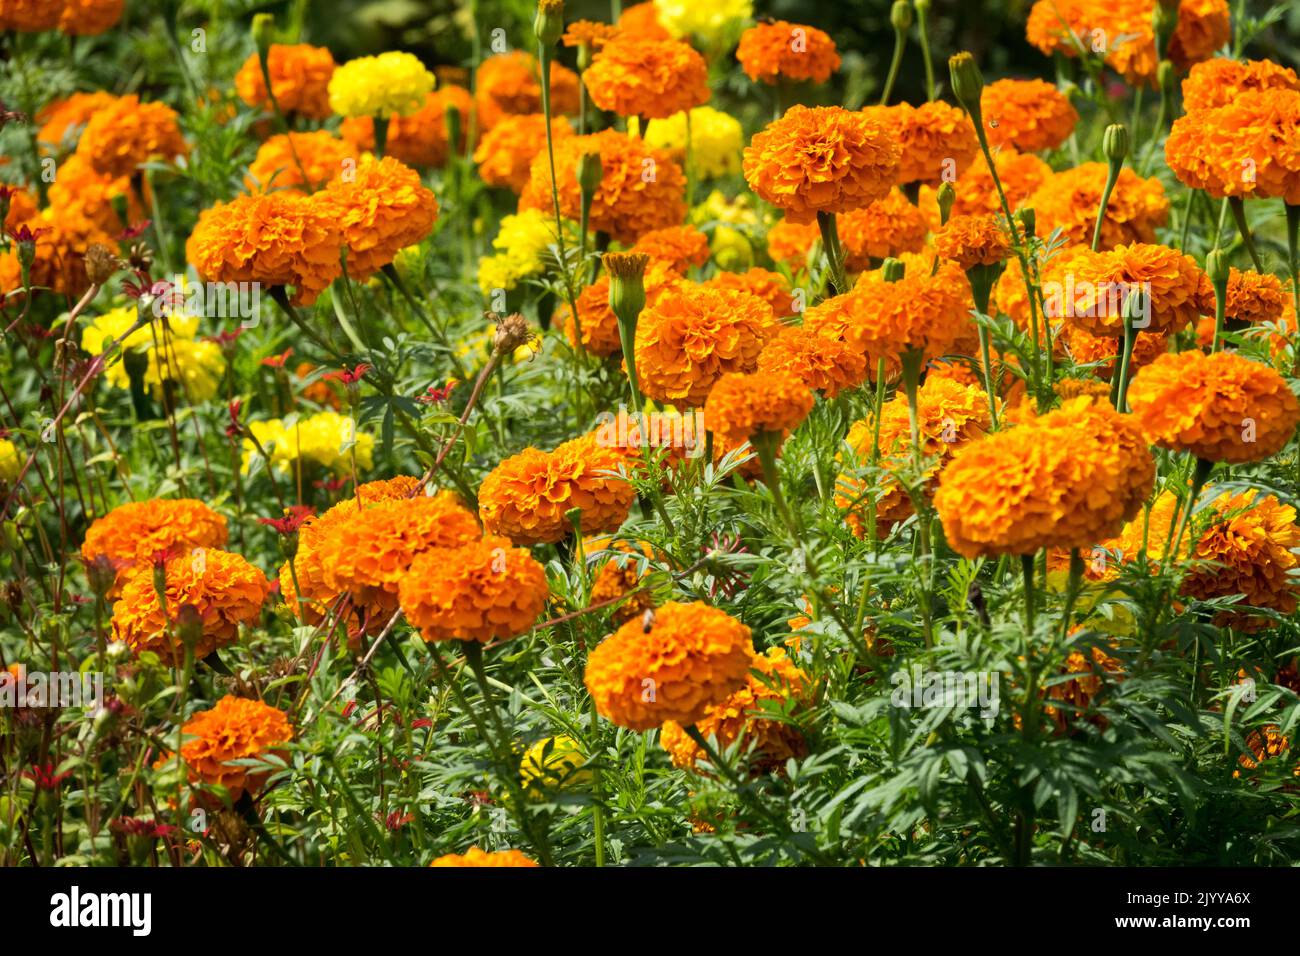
(419, 139)
(1029, 115)
(127, 133)
(508, 84)
(790, 242)
(778, 50)
(1254, 297)
(619, 575)
(973, 241)
(68, 116)
(1069, 200)
(382, 208)
(276, 166)
(1265, 743)
(30, 16)
(1221, 81)
(680, 246)
(774, 680)
(476, 857)
(742, 406)
(1020, 174)
(599, 323)
(1066, 479)
(1220, 407)
(642, 20)
(822, 160)
(648, 78)
(1086, 348)
(693, 335)
(300, 79)
(225, 589)
(235, 730)
(1075, 696)
(527, 496)
(1249, 148)
(63, 237)
(821, 363)
(1011, 297)
(81, 192)
(671, 666)
(481, 591)
(590, 33)
(277, 239)
(1204, 26)
(506, 152)
(90, 18)
(888, 227)
(937, 140)
(131, 534)
(771, 287)
(627, 204)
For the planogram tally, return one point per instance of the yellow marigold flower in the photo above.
(235, 730)
(888, 227)
(127, 133)
(482, 591)
(774, 680)
(716, 140)
(326, 438)
(419, 139)
(1249, 148)
(679, 246)
(778, 49)
(1069, 200)
(648, 78)
(382, 208)
(225, 589)
(672, 666)
(506, 152)
(64, 119)
(553, 763)
(476, 857)
(11, 462)
(277, 239)
(771, 287)
(30, 16)
(1029, 115)
(824, 159)
(599, 323)
(973, 241)
(1089, 289)
(322, 155)
(508, 84)
(692, 335)
(1222, 81)
(133, 533)
(821, 363)
(1219, 407)
(742, 406)
(714, 22)
(936, 140)
(1020, 174)
(949, 415)
(522, 243)
(1066, 479)
(194, 367)
(300, 78)
(390, 84)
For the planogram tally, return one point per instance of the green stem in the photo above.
(834, 251)
(1238, 208)
(1112, 176)
(900, 41)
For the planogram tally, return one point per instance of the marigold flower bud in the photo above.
(967, 83)
(263, 30)
(626, 283)
(900, 15)
(892, 269)
(1216, 266)
(549, 22)
(590, 172)
(947, 196)
(1115, 142)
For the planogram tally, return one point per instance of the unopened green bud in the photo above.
(892, 269)
(901, 16)
(626, 283)
(967, 82)
(549, 22)
(1216, 266)
(263, 34)
(1115, 142)
(946, 198)
(1028, 220)
(590, 173)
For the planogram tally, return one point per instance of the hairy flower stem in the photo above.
(1112, 177)
(1238, 208)
(1119, 387)
(834, 251)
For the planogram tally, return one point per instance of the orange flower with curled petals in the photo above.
(507, 84)
(1020, 174)
(1221, 81)
(382, 209)
(1204, 27)
(599, 323)
(693, 335)
(476, 857)
(620, 575)
(679, 246)
(506, 152)
(1066, 479)
(1220, 407)
(774, 680)
(743, 406)
(235, 730)
(824, 364)
(590, 33)
(1028, 115)
(1069, 201)
(627, 203)
(225, 589)
(131, 534)
(936, 140)
(648, 78)
(672, 666)
(527, 496)
(822, 160)
(775, 50)
(90, 18)
(771, 287)
(1249, 148)
(480, 591)
(64, 117)
(126, 133)
(300, 79)
(30, 16)
(277, 239)
(790, 242)
(63, 236)
(1086, 349)
(1255, 297)
(276, 165)
(888, 227)
(82, 193)
(973, 241)
(420, 138)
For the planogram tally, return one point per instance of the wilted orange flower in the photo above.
(680, 246)
(774, 679)
(825, 364)
(825, 159)
(590, 33)
(1069, 201)
(888, 227)
(1075, 697)
(481, 591)
(1087, 348)
(300, 79)
(693, 335)
(642, 20)
(506, 152)
(527, 496)
(66, 116)
(1248, 148)
(1089, 289)
(627, 203)
(775, 50)
(30, 16)
(771, 287)
(508, 84)
(599, 323)
(1220, 407)
(476, 857)
(652, 79)
(1020, 174)
(236, 729)
(790, 242)
(276, 166)
(937, 141)
(382, 208)
(131, 534)
(1066, 479)
(973, 241)
(742, 406)
(419, 139)
(126, 133)
(225, 589)
(277, 239)
(1029, 115)
(1221, 81)
(671, 666)
(949, 414)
